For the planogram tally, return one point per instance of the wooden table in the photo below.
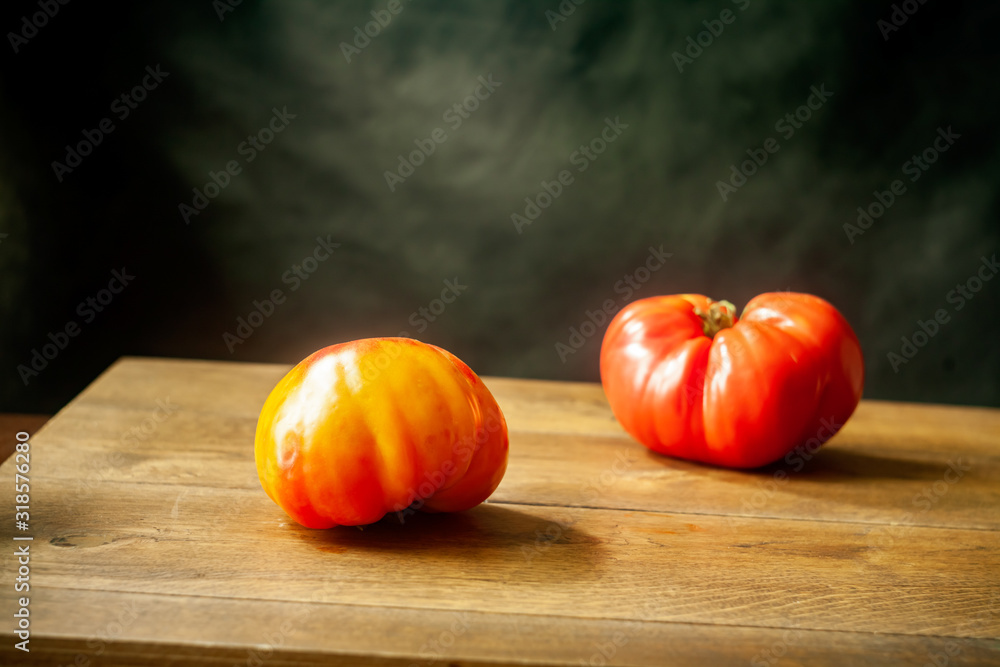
(12, 424)
(154, 543)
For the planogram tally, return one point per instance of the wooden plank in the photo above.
(529, 405)
(11, 425)
(144, 489)
(176, 432)
(841, 483)
(496, 558)
(130, 629)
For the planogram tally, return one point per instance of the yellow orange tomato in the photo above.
(379, 425)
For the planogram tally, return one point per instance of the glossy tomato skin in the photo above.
(789, 371)
(360, 429)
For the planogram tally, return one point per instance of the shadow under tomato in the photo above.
(828, 463)
(833, 464)
(501, 542)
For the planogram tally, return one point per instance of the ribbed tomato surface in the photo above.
(378, 425)
(686, 378)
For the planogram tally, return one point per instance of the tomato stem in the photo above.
(721, 315)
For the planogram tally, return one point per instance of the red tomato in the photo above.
(378, 425)
(686, 378)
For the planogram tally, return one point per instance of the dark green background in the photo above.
(655, 185)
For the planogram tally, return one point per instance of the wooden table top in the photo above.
(154, 543)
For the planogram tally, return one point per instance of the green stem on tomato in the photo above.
(721, 315)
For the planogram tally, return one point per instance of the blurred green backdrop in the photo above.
(371, 168)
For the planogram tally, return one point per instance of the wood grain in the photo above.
(566, 561)
(210, 630)
(876, 469)
(153, 540)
